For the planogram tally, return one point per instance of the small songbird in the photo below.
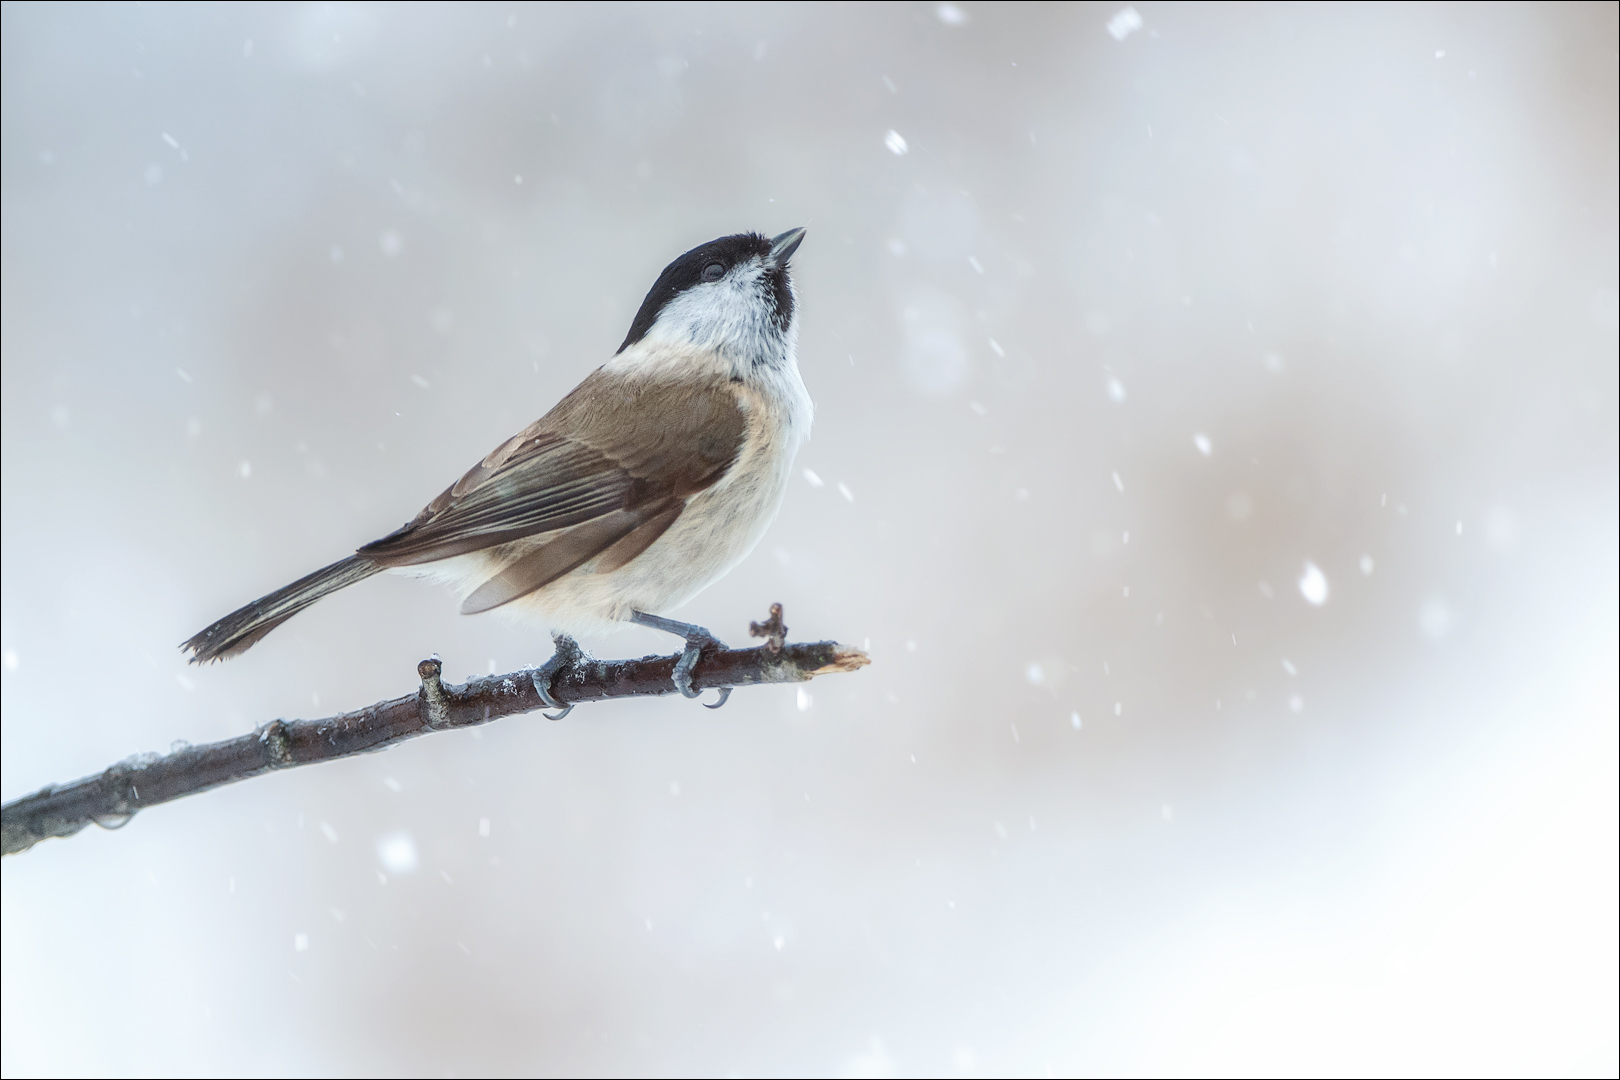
(649, 481)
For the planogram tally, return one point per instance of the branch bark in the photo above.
(112, 797)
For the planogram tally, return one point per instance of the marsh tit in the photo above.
(649, 481)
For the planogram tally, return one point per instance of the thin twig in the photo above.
(112, 797)
(773, 630)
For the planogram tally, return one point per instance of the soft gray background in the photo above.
(275, 275)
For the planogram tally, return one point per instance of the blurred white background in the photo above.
(1216, 444)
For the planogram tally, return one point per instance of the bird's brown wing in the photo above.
(614, 461)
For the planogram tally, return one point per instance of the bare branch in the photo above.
(112, 797)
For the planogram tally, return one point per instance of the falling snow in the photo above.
(1124, 24)
(1313, 585)
(397, 853)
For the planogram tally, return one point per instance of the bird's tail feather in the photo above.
(241, 629)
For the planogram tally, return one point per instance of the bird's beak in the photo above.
(783, 247)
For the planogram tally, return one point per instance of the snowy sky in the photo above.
(1215, 449)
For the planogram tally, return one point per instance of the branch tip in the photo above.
(844, 658)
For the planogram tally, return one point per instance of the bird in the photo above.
(645, 484)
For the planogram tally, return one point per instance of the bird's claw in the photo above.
(566, 655)
(697, 639)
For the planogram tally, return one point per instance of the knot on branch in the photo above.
(122, 787)
(436, 705)
(278, 742)
(773, 630)
(121, 799)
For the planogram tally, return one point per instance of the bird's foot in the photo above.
(697, 640)
(567, 654)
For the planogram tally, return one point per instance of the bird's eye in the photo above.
(714, 272)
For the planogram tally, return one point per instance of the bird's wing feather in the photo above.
(550, 562)
(616, 445)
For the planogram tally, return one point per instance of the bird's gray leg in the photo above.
(697, 639)
(567, 654)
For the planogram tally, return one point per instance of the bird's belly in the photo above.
(718, 528)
